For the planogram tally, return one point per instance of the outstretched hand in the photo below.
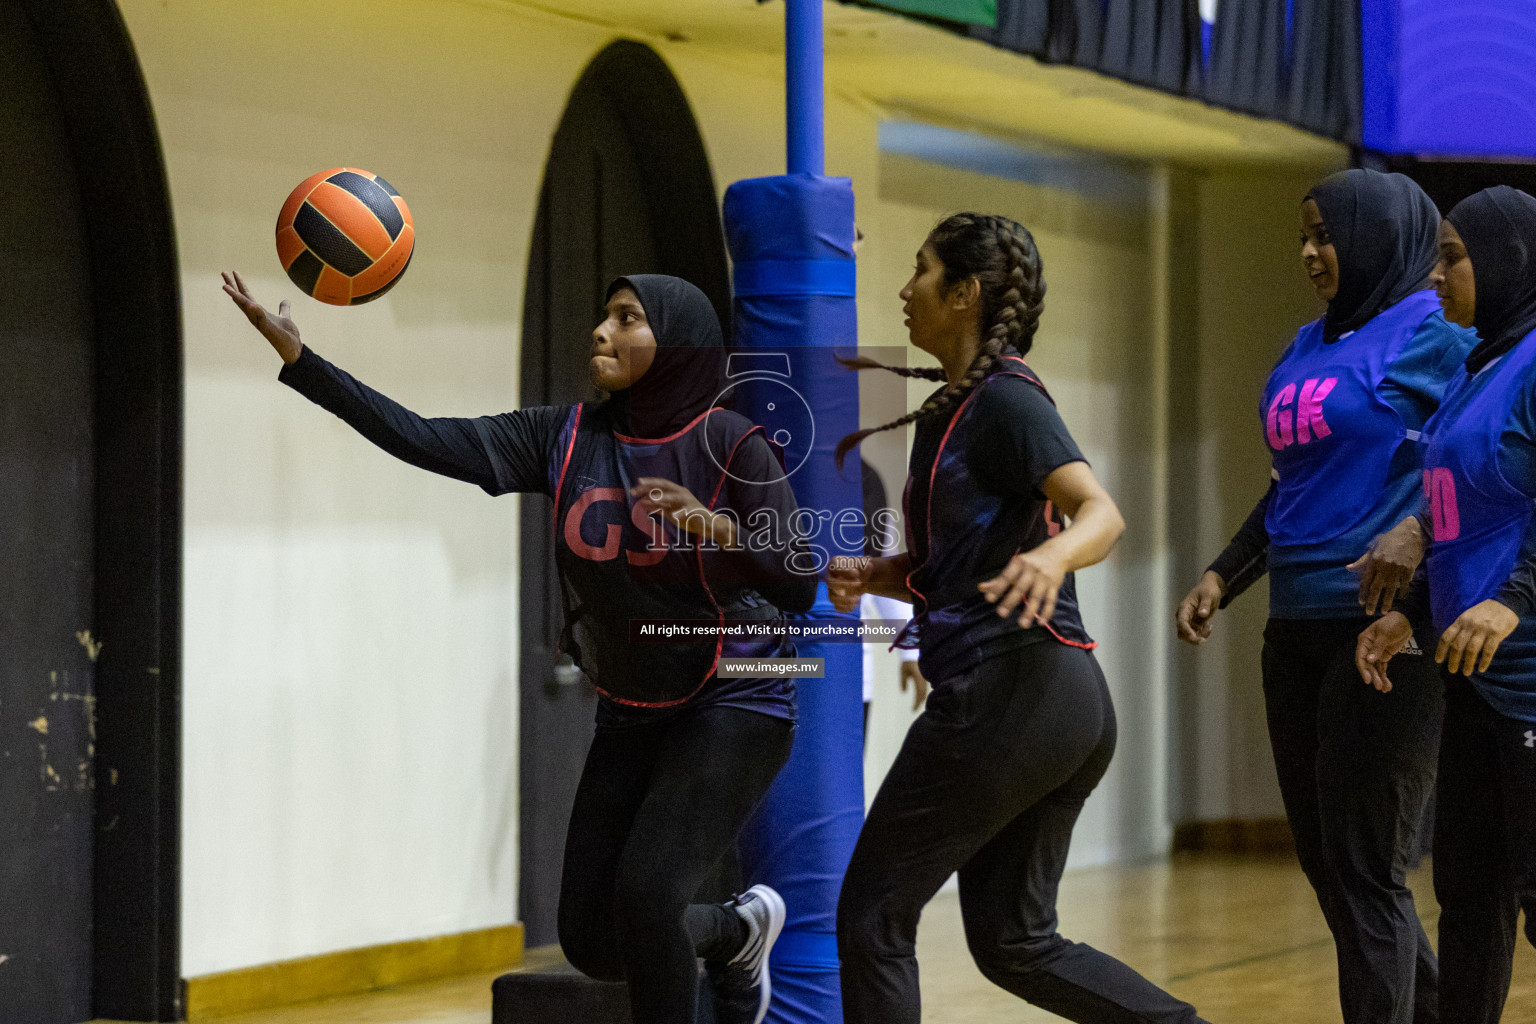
(282, 332)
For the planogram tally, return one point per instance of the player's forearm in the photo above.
(1096, 528)
(888, 577)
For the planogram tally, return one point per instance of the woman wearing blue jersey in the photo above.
(1340, 414)
(680, 755)
(1019, 727)
(1480, 478)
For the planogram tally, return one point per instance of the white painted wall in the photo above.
(350, 624)
(1252, 297)
(351, 647)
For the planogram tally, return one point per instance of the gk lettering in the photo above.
(1294, 419)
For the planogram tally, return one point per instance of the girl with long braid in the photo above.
(1019, 728)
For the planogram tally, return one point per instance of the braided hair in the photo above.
(1001, 255)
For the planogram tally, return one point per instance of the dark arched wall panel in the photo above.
(135, 302)
(46, 550)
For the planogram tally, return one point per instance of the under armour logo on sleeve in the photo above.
(1530, 738)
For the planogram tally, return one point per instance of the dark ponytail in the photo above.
(1001, 255)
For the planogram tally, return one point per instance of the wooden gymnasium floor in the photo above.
(1241, 938)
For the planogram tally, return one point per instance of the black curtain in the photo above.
(1307, 73)
(1153, 42)
(1326, 76)
(1055, 31)
(1247, 70)
(1149, 42)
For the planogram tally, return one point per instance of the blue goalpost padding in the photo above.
(791, 243)
(791, 240)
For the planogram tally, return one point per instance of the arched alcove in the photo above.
(90, 532)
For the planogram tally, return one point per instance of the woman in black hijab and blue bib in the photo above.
(1341, 413)
(651, 489)
(1480, 479)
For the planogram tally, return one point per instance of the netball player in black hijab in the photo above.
(1480, 454)
(651, 491)
(1341, 413)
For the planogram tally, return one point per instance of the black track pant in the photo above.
(989, 782)
(1356, 770)
(657, 806)
(1485, 852)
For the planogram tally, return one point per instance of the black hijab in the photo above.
(1498, 227)
(688, 372)
(1383, 229)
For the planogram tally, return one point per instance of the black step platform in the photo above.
(547, 990)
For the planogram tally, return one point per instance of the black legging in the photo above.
(1356, 769)
(1485, 852)
(989, 782)
(657, 807)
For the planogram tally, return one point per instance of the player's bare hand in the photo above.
(279, 330)
(1031, 578)
(910, 673)
(1377, 644)
(677, 504)
(1196, 612)
(847, 579)
(1387, 566)
(1472, 640)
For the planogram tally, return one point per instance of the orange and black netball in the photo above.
(345, 236)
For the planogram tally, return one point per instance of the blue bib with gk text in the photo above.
(1331, 435)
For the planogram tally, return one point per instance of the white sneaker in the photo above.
(762, 908)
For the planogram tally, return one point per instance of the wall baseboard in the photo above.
(1270, 836)
(353, 970)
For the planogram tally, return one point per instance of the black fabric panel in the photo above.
(1076, 32)
(1326, 85)
(326, 241)
(47, 679)
(1311, 79)
(373, 196)
(1153, 42)
(135, 292)
(1247, 70)
(1055, 31)
(1149, 42)
(1023, 26)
